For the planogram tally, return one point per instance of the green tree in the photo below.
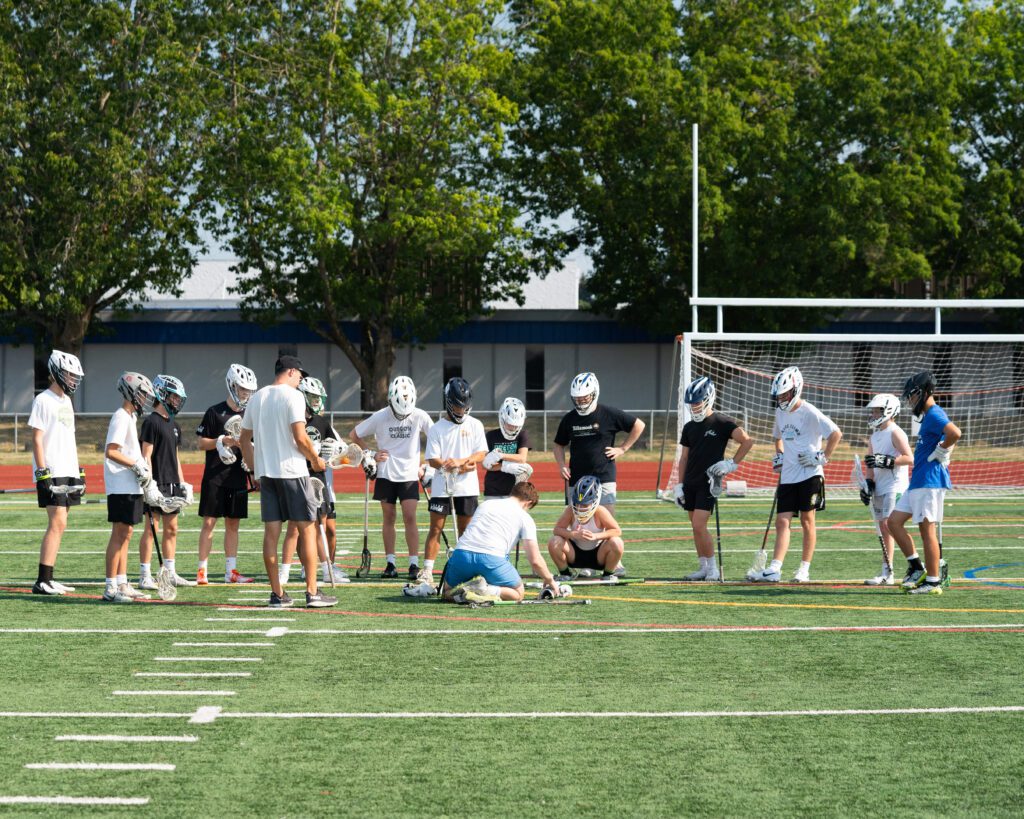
(99, 117)
(357, 170)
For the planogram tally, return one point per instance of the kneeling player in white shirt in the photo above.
(887, 461)
(479, 569)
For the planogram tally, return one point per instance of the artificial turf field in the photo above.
(658, 699)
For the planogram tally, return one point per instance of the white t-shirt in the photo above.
(447, 440)
(400, 438)
(117, 479)
(55, 416)
(496, 526)
(270, 414)
(888, 481)
(804, 428)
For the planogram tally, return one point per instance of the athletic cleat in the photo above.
(713, 575)
(45, 587)
(586, 573)
(912, 579)
(475, 591)
(425, 589)
(320, 600)
(237, 577)
(116, 596)
(620, 571)
(61, 588)
(282, 602)
(927, 588)
(148, 582)
(700, 574)
(390, 571)
(414, 572)
(132, 592)
(802, 576)
(766, 576)
(569, 574)
(881, 580)
(201, 578)
(339, 576)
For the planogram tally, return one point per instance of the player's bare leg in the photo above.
(782, 523)
(56, 523)
(271, 537)
(810, 534)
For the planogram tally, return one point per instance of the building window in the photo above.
(535, 378)
(452, 364)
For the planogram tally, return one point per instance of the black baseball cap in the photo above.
(289, 362)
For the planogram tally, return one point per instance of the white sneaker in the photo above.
(182, 581)
(419, 590)
(713, 574)
(802, 576)
(339, 576)
(700, 574)
(116, 596)
(61, 588)
(767, 576)
(147, 582)
(881, 580)
(132, 592)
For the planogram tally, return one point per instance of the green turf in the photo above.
(871, 765)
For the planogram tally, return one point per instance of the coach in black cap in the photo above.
(289, 362)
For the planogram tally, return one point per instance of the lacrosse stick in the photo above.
(449, 489)
(558, 601)
(19, 491)
(715, 488)
(233, 426)
(595, 581)
(366, 558)
(318, 498)
(347, 455)
(444, 535)
(857, 474)
(943, 566)
(761, 558)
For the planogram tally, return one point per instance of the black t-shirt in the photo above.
(499, 484)
(706, 441)
(165, 436)
(587, 437)
(229, 476)
(318, 428)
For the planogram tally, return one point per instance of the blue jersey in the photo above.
(930, 474)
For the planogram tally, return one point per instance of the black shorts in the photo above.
(806, 496)
(393, 492)
(698, 497)
(46, 498)
(124, 509)
(284, 499)
(217, 502)
(465, 505)
(168, 490)
(584, 558)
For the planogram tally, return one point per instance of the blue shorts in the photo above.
(465, 565)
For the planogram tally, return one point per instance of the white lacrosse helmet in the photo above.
(511, 418)
(313, 391)
(789, 379)
(241, 384)
(700, 397)
(889, 405)
(137, 389)
(583, 391)
(402, 397)
(66, 370)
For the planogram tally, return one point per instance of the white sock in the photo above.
(710, 563)
(703, 561)
(913, 557)
(285, 569)
(428, 565)
(414, 560)
(495, 590)
(775, 566)
(325, 567)
(143, 570)
(111, 584)
(169, 564)
(805, 565)
(931, 579)
(391, 560)
(122, 578)
(229, 564)
(202, 564)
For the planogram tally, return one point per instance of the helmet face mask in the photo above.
(458, 399)
(241, 384)
(511, 418)
(586, 497)
(313, 391)
(402, 397)
(584, 391)
(65, 370)
(170, 393)
(700, 397)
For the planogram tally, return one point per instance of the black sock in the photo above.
(45, 573)
(916, 564)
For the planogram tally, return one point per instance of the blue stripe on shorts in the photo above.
(465, 565)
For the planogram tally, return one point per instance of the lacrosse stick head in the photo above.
(857, 474)
(233, 426)
(166, 588)
(318, 490)
(759, 565)
(76, 489)
(170, 505)
(449, 482)
(714, 484)
(347, 455)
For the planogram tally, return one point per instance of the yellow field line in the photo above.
(795, 605)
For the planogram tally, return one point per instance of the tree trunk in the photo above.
(378, 356)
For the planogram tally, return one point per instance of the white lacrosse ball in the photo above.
(566, 589)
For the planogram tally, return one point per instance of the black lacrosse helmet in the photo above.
(457, 395)
(917, 389)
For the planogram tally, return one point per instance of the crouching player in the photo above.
(929, 481)
(704, 440)
(479, 569)
(586, 535)
(887, 461)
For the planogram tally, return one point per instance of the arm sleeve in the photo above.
(825, 424)
(367, 427)
(524, 440)
(206, 426)
(624, 422)
(252, 413)
(433, 447)
(296, 409)
(562, 436)
(117, 430)
(480, 439)
(147, 435)
(729, 426)
(528, 531)
(776, 432)
(38, 417)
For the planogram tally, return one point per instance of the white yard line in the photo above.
(233, 645)
(100, 766)
(122, 737)
(208, 659)
(598, 630)
(207, 631)
(192, 674)
(74, 800)
(248, 619)
(174, 693)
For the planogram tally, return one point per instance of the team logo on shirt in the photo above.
(399, 432)
(710, 434)
(586, 429)
(790, 432)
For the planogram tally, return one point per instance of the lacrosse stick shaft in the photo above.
(16, 491)
(718, 539)
(365, 559)
(156, 538)
(444, 535)
(327, 554)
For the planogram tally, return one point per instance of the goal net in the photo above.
(980, 385)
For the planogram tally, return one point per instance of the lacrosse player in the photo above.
(276, 418)
(507, 448)
(799, 430)
(479, 569)
(929, 481)
(55, 461)
(128, 481)
(455, 445)
(586, 535)
(396, 467)
(704, 441)
(589, 431)
(224, 488)
(325, 441)
(161, 437)
(887, 461)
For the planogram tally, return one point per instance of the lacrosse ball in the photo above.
(566, 589)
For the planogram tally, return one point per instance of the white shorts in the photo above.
(882, 505)
(922, 504)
